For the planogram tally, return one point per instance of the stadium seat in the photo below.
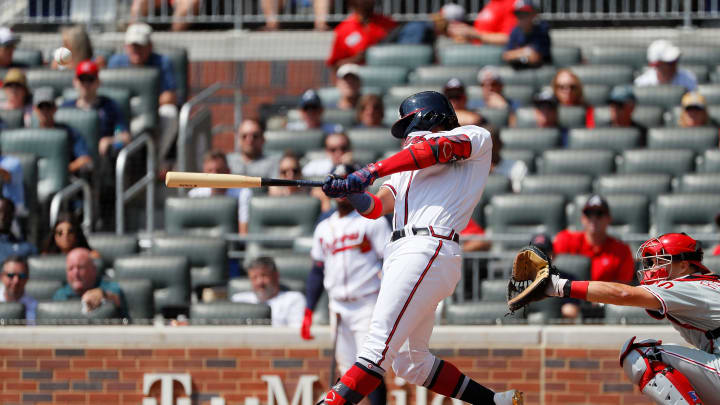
(571, 116)
(70, 312)
(470, 55)
(299, 142)
(437, 75)
(213, 216)
(568, 185)
(50, 146)
(330, 95)
(710, 161)
(701, 72)
(12, 118)
(618, 314)
(493, 290)
(565, 161)
(57, 79)
(697, 139)
(143, 84)
(345, 118)
(112, 246)
(120, 96)
(405, 55)
(383, 76)
(670, 161)
(525, 214)
(649, 185)
(479, 313)
(397, 94)
(712, 263)
(29, 164)
(700, 55)
(543, 312)
(711, 92)
(290, 216)
(563, 56)
(646, 115)
(229, 313)
(536, 140)
(629, 212)
(699, 183)
(42, 290)
(86, 122)
(29, 57)
(497, 117)
(665, 96)
(238, 284)
(596, 94)
(47, 267)
(610, 139)
(519, 93)
(525, 118)
(294, 267)
(714, 112)
(169, 275)
(510, 76)
(139, 297)
(632, 56)
(377, 140)
(179, 59)
(207, 257)
(11, 311)
(577, 266)
(526, 156)
(692, 213)
(609, 75)
(496, 184)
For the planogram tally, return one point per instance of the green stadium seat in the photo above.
(12, 118)
(596, 94)
(609, 75)
(519, 93)
(701, 72)
(525, 214)
(497, 117)
(238, 284)
(712, 263)
(699, 183)
(630, 212)
(632, 56)
(711, 92)
(618, 314)
(566, 161)
(70, 312)
(213, 216)
(299, 142)
(169, 275)
(669, 161)
(697, 139)
(377, 140)
(364, 156)
(120, 96)
(229, 313)
(271, 216)
(86, 122)
(714, 113)
(47, 267)
(665, 96)
(493, 290)
(571, 116)
(42, 290)
(648, 116)
(437, 75)
(648, 184)
(567, 185)
(383, 76)
(345, 118)
(470, 55)
(525, 118)
(294, 267)
(543, 312)
(397, 94)
(143, 84)
(57, 79)
(405, 55)
(28, 57)
(536, 140)
(610, 139)
(510, 76)
(10, 311)
(139, 297)
(50, 146)
(543, 75)
(330, 95)
(526, 156)
(576, 265)
(564, 56)
(710, 162)
(692, 213)
(207, 256)
(112, 246)
(700, 55)
(479, 313)
(496, 184)
(179, 59)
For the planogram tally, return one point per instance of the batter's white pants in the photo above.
(702, 369)
(418, 273)
(352, 329)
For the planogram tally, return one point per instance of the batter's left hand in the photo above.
(335, 187)
(360, 180)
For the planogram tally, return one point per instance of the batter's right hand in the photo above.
(335, 187)
(307, 322)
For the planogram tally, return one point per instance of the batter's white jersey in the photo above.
(443, 195)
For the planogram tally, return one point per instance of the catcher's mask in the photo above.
(657, 254)
(422, 112)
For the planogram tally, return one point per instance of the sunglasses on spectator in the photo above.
(567, 86)
(21, 276)
(290, 170)
(14, 85)
(594, 213)
(60, 232)
(253, 135)
(694, 108)
(87, 78)
(344, 148)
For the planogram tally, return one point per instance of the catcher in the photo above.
(674, 284)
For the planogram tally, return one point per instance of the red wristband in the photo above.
(377, 209)
(579, 289)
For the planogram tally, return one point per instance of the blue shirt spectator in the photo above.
(78, 146)
(109, 114)
(13, 188)
(14, 275)
(529, 42)
(162, 62)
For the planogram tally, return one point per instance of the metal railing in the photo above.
(147, 182)
(77, 186)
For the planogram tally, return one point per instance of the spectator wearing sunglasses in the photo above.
(249, 159)
(66, 235)
(454, 90)
(337, 151)
(15, 275)
(9, 243)
(289, 169)
(568, 90)
(611, 259)
(311, 115)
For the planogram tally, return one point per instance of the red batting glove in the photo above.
(307, 321)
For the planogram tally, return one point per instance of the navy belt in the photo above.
(454, 236)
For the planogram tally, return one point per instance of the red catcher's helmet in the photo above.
(657, 254)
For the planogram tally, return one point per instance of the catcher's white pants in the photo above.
(352, 328)
(702, 369)
(418, 273)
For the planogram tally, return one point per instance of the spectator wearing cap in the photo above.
(455, 92)
(622, 104)
(139, 53)
(17, 93)
(251, 159)
(663, 58)
(349, 86)
(44, 109)
(8, 42)
(694, 111)
(311, 114)
(492, 94)
(611, 259)
(15, 274)
(370, 111)
(362, 29)
(77, 40)
(529, 43)
(514, 170)
(568, 90)
(338, 150)
(493, 24)
(545, 111)
(570, 308)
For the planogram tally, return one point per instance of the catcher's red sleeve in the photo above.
(425, 153)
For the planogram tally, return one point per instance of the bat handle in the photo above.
(296, 183)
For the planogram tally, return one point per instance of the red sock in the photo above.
(449, 381)
(357, 383)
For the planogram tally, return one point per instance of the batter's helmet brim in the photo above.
(400, 126)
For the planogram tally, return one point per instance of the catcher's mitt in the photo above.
(530, 275)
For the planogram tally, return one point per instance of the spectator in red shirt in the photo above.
(473, 228)
(611, 259)
(492, 26)
(360, 30)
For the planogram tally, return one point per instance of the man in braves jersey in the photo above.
(422, 261)
(674, 284)
(347, 252)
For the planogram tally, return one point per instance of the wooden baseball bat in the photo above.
(212, 180)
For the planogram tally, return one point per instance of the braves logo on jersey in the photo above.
(347, 242)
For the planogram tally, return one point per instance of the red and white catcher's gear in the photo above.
(656, 255)
(665, 385)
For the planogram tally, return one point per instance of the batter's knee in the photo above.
(413, 367)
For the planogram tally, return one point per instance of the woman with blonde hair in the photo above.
(77, 40)
(568, 90)
(694, 111)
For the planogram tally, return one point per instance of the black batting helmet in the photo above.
(422, 112)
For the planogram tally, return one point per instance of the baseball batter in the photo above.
(677, 286)
(422, 261)
(347, 252)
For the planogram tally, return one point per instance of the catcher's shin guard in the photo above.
(362, 378)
